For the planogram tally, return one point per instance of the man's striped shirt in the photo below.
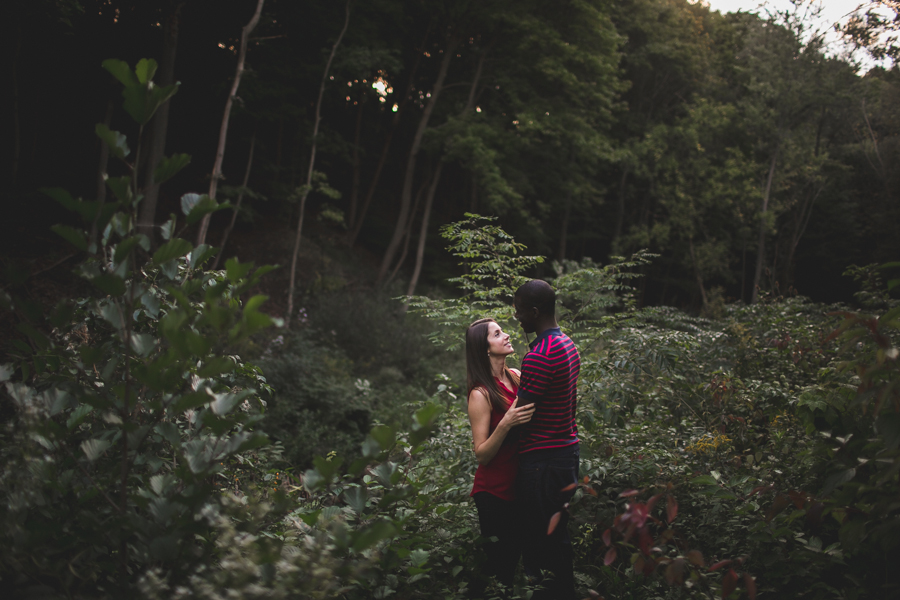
(549, 379)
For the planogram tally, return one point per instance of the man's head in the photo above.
(535, 304)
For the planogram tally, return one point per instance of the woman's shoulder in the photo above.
(479, 394)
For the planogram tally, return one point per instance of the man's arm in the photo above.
(534, 379)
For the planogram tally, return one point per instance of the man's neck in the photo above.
(543, 325)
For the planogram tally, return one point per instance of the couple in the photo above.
(526, 442)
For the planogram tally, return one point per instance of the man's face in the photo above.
(525, 316)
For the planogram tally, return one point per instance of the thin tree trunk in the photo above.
(237, 204)
(223, 129)
(373, 185)
(160, 125)
(17, 125)
(102, 166)
(761, 244)
(697, 274)
(620, 217)
(429, 201)
(309, 172)
(408, 233)
(744, 272)
(278, 149)
(800, 224)
(406, 194)
(354, 190)
(423, 230)
(563, 234)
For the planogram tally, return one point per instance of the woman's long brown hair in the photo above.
(478, 365)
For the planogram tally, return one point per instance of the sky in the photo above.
(834, 11)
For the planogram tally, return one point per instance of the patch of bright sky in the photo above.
(833, 11)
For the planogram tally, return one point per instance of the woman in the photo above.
(493, 413)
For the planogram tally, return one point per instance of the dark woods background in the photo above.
(729, 144)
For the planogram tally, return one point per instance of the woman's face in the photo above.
(498, 342)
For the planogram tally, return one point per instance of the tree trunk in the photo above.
(429, 201)
(800, 223)
(17, 125)
(309, 172)
(237, 204)
(408, 232)
(373, 185)
(160, 125)
(223, 129)
(354, 190)
(564, 232)
(697, 274)
(406, 194)
(423, 231)
(102, 166)
(761, 244)
(620, 217)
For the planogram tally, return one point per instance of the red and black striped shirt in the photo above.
(549, 379)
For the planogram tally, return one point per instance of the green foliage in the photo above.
(132, 407)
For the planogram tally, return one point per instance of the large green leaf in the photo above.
(168, 167)
(110, 284)
(203, 207)
(237, 271)
(171, 249)
(93, 449)
(74, 236)
(143, 343)
(121, 188)
(225, 403)
(145, 70)
(115, 141)
(121, 71)
(372, 534)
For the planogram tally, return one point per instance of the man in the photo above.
(548, 447)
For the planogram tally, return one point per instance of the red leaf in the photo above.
(639, 564)
(779, 504)
(675, 572)
(720, 564)
(569, 488)
(645, 541)
(761, 489)
(652, 502)
(629, 493)
(607, 537)
(610, 556)
(750, 584)
(696, 558)
(671, 508)
(587, 479)
(554, 521)
(729, 583)
(798, 498)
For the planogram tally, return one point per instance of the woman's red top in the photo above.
(498, 477)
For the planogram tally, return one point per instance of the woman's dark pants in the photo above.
(498, 518)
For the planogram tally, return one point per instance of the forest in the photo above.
(244, 239)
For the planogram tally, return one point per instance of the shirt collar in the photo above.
(544, 335)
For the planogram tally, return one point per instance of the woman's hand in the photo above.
(516, 416)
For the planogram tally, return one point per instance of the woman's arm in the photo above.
(486, 443)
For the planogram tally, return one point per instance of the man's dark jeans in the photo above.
(542, 476)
